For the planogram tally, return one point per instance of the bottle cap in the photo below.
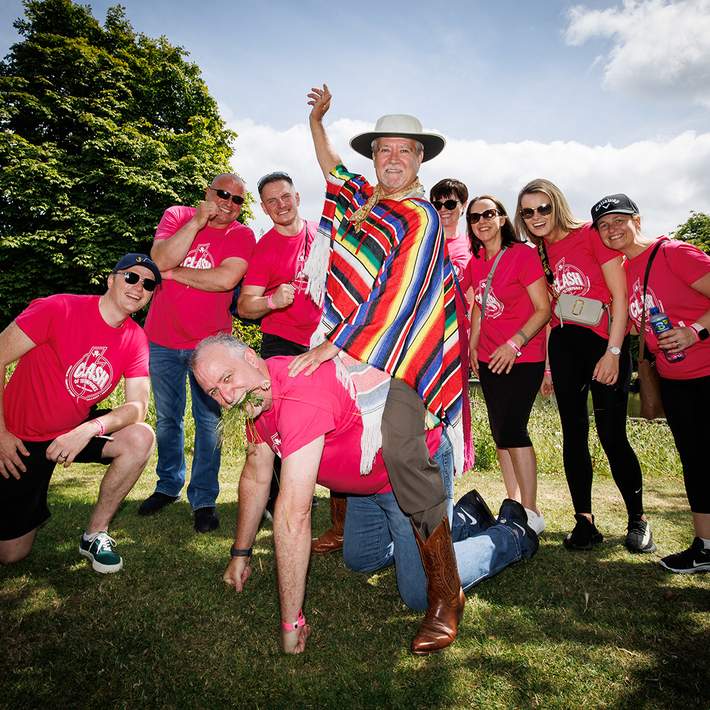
(653, 310)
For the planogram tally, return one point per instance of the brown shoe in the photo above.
(444, 594)
(332, 539)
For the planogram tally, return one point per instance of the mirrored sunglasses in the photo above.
(528, 212)
(132, 278)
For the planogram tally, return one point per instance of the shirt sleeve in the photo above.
(530, 267)
(39, 319)
(172, 220)
(601, 253)
(686, 261)
(137, 360)
(302, 419)
(240, 243)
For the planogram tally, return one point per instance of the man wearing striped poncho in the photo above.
(389, 303)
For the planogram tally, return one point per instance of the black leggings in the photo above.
(509, 401)
(686, 404)
(574, 352)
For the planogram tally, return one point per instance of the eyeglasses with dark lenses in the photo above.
(476, 217)
(224, 195)
(529, 212)
(449, 204)
(132, 278)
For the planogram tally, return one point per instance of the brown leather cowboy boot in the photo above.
(444, 594)
(332, 539)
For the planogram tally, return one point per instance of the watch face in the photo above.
(615, 351)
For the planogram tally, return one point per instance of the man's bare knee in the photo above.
(12, 551)
(136, 441)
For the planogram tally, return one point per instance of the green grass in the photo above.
(599, 629)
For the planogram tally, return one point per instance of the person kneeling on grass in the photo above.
(313, 424)
(72, 351)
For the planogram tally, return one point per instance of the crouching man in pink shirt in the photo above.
(313, 424)
(71, 352)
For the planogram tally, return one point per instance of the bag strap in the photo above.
(489, 280)
(642, 336)
(458, 285)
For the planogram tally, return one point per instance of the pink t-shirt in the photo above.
(576, 262)
(508, 307)
(305, 408)
(77, 362)
(675, 267)
(459, 250)
(279, 259)
(181, 316)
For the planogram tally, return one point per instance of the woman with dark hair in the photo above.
(449, 197)
(675, 278)
(588, 349)
(507, 345)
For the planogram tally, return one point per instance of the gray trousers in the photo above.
(415, 477)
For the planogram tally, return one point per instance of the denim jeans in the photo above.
(168, 369)
(378, 534)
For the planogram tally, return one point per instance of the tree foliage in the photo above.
(101, 129)
(695, 230)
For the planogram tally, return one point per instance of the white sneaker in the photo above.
(535, 521)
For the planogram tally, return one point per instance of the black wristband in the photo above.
(240, 551)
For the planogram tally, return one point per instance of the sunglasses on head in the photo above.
(224, 195)
(132, 278)
(449, 204)
(475, 217)
(528, 212)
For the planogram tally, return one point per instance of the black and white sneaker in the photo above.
(584, 536)
(695, 559)
(471, 516)
(638, 536)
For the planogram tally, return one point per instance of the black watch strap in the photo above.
(240, 551)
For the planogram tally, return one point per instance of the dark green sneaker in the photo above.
(100, 550)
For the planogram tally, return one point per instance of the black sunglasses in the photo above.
(224, 195)
(449, 204)
(475, 217)
(132, 278)
(528, 212)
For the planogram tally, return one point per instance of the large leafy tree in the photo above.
(695, 230)
(100, 130)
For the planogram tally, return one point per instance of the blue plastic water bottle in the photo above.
(661, 323)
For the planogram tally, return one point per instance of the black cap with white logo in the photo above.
(613, 204)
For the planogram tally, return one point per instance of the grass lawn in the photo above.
(597, 629)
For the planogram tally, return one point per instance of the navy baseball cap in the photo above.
(128, 260)
(613, 204)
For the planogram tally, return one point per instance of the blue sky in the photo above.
(599, 96)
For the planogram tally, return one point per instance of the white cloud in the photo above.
(666, 178)
(659, 46)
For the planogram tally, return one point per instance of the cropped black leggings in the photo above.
(574, 352)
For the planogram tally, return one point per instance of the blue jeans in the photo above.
(378, 534)
(168, 369)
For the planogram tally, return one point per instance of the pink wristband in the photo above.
(101, 429)
(548, 371)
(294, 625)
(518, 351)
(270, 302)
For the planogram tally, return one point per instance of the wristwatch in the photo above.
(701, 331)
(614, 350)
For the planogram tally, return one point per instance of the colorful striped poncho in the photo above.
(389, 297)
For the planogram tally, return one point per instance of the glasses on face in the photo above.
(449, 204)
(132, 278)
(224, 195)
(529, 212)
(476, 217)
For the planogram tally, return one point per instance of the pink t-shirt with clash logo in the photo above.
(576, 263)
(181, 316)
(77, 362)
(306, 407)
(279, 259)
(675, 267)
(508, 306)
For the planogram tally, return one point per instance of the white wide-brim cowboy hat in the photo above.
(399, 125)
